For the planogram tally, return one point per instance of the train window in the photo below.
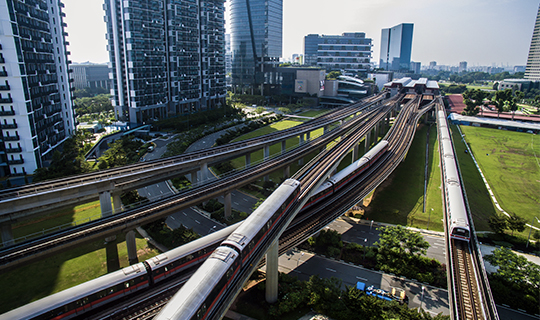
(126, 284)
(189, 257)
(166, 269)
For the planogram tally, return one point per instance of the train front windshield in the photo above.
(461, 232)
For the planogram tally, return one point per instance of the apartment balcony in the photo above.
(18, 161)
(7, 112)
(4, 87)
(11, 138)
(8, 126)
(13, 150)
(6, 100)
(3, 73)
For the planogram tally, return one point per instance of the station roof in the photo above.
(495, 122)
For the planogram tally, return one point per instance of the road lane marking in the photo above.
(360, 278)
(173, 218)
(236, 203)
(246, 200)
(197, 222)
(332, 270)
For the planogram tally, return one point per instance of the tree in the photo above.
(474, 98)
(516, 223)
(498, 223)
(120, 153)
(515, 268)
(333, 75)
(501, 98)
(398, 241)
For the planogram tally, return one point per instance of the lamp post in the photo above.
(211, 229)
(422, 299)
(365, 243)
(529, 238)
(429, 216)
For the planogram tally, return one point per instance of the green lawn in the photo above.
(314, 113)
(509, 161)
(399, 199)
(78, 214)
(36, 280)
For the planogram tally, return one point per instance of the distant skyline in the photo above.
(481, 32)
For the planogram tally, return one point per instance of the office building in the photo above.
(167, 57)
(396, 47)
(36, 115)
(349, 52)
(256, 39)
(90, 76)
(532, 71)
(463, 66)
(415, 67)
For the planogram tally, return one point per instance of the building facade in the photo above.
(350, 52)
(396, 47)
(90, 76)
(256, 39)
(532, 71)
(167, 57)
(36, 114)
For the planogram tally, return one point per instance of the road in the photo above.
(365, 233)
(304, 264)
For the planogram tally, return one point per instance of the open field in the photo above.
(399, 200)
(39, 279)
(509, 161)
(314, 113)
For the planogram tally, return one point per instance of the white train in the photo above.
(201, 296)
(78, 300)
(458, 222)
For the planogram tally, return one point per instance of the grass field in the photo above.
(509, 161)
(36, 280)
(314, 113)
(399, 200)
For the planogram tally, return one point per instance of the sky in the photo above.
(481, 32)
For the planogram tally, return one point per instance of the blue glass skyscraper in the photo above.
(396, 47)
(256, 38)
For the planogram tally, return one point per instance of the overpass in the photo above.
(35, 199)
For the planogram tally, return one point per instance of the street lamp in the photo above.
(422, 299)
(529, 238)
(298, 260)
(429, 216)
(365, 243)
(211, 229)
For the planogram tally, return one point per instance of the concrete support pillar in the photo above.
(376, 137)
(248, 160)
(354, 153)
(131, 247)
(308, 136)
(272, 273)
(326, 129)
(266, 152)
(287, 172)
(204, 172)
(340, 122)
(193, 176)
(117, 203)
(283, 146)
(7, 234)
(367, 141)
(301, 139)
(105, 203)
(301, 162)
(228, 205)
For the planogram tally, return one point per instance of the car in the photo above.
(150, 148)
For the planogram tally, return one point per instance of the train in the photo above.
(352, 171)
(458, 222)
(80, 299)
(200, 297)
(225, 252)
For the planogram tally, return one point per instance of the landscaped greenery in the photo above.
(399, 199)
(516, 282)
(509, 162)
(324, 296)
(36, 280)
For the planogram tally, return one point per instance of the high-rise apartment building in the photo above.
(256, 39)
(532, 71)
(167, 57)
(350, 52)
(89, 75)
(36, 113)
(396, 47)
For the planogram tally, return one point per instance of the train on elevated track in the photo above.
(458, 222)
(224, 258)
